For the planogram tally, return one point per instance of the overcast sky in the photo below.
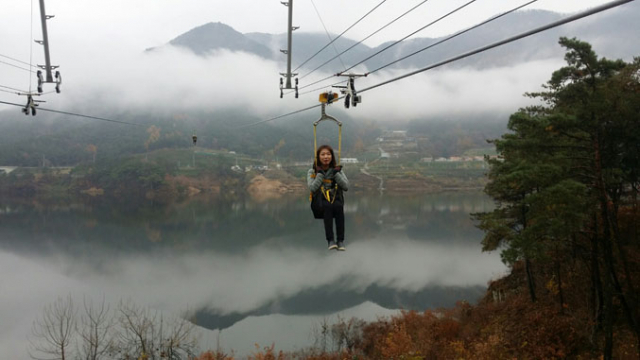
(146, 23)
(98, 43)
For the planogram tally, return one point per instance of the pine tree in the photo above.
(566, 169)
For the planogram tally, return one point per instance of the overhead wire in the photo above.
(327, 32)
(311, 84)
(323, 87)
(16, 60)
(342, 33)
(423, 49)
(319, 88)
(366, 38)
(413, 33)
(16, 66)
(10, 92)
(11, 88)
(508, 40)
(75, 114)
(392, 44)
(280, 116)
(453, 36)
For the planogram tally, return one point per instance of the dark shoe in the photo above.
(341, 246)
(332, 245)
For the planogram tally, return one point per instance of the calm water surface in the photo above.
(252, 272)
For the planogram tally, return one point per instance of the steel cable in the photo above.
(366, 38)
(337, 37)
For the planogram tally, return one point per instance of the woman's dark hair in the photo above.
(333, 158)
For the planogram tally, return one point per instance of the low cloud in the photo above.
(446, 92)
(244, 282)
(227, 283)
(172, 80)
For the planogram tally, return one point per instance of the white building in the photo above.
(7, 169)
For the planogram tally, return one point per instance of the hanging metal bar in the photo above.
(324, 116)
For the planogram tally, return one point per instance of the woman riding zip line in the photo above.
(331, 181)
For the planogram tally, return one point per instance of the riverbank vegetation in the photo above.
(172, 174)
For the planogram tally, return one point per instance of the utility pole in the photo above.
(288, 75)
(47, 67)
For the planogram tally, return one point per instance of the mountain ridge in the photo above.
(205, 39)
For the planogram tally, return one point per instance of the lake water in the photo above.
(251, 272)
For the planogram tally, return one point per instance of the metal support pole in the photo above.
(45, 41)
(288, 75)
(289, 42)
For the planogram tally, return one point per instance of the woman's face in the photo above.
(325, 157)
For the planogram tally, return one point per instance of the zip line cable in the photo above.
(366, 38)
(313, 83)
(507, 40)
(351, 47)
(413, 33)
(280, 116)
(337, 37)
(320, 88)
(323, 87)
(393, 44)
(74, 114)
(10, 92)
(327, 31)
(426, 48)
(520, 36)
(453, 36)
(10, 88)
(16, 60)
(16, 66)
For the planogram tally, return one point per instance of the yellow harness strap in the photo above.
(326, 193)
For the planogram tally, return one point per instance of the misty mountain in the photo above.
(307, 44)
(216, 36)
(613, 33)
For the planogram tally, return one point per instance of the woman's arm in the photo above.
(314, 180)
(342, 181)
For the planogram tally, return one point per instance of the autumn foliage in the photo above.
(505, 324)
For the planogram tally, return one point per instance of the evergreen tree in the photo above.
(566, 170)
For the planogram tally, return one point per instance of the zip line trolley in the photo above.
(351, 96)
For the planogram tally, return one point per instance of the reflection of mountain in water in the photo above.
(121, 247)
(330, 300)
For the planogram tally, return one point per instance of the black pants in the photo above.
(333, 211)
